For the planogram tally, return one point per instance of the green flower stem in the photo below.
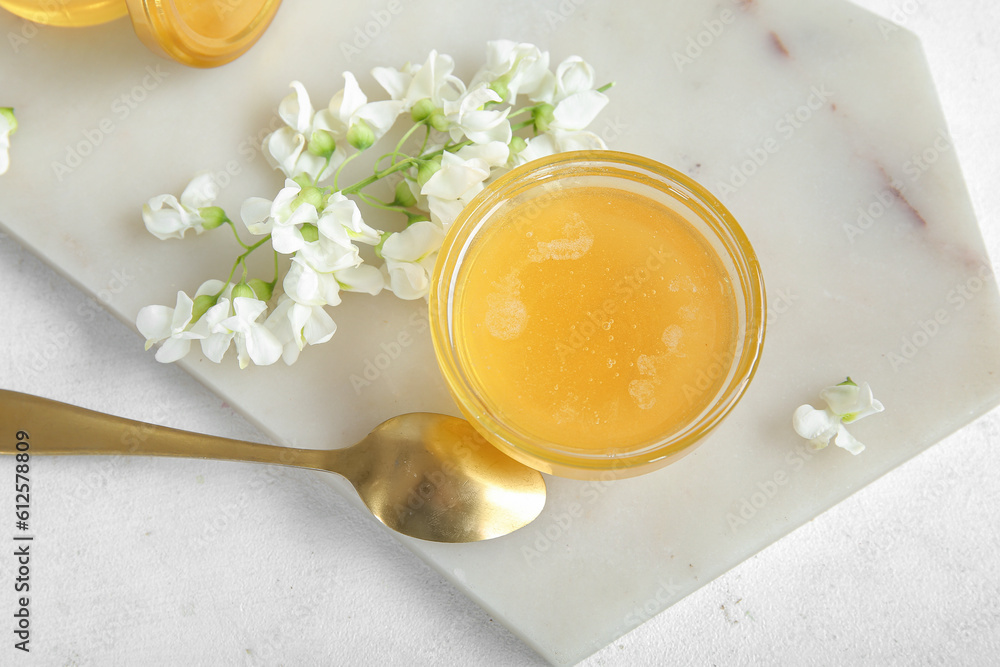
(391, 154)
(427, 136)
(409, 133)
(378, 175)
(374, 202)
(522, 110)
(237, 234)
(450, 148)
(242, 260)
(523, 124)
(326, 165)
(336, 176)
(397, 166)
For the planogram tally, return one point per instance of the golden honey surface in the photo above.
(595, 318)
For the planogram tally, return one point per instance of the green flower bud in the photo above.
(322, 144)
(427, 169)
(201, 305)
(303, 180)
(261, 289)
(243, 290)
(500, 86)
(404, 196)
(360, 135)
(8, 113)
(422, 110)
(543, 115)
(310, 195)
(310, 232)
(517, 144)
(212, 217)
(438, 121)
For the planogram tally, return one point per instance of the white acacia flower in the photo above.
(572, 105)
(166, 217)
(409, 259)
(301, 147)
(310, 287)
(326, 256)
(8, 124)
(493, 154)
(364, 278)
(432, 81)
(254, 341)
(296, 325)
(846, 402)
(169, 326)
(350, 111)
(459, 179)
(513, 69)
(341, 222)
(467, 117)
(574, 75)
(282, 218)
(176, 327)
(214, 343)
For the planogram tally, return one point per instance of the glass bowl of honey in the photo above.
(596, 314)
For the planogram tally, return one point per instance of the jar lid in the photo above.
(201, 33)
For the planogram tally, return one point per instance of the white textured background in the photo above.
(905, 572)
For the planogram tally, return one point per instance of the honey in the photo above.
(592, 316)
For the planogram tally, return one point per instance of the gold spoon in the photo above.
(425, 475)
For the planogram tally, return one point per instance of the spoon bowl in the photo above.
(425, 475)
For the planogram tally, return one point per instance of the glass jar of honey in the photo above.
(198, 33)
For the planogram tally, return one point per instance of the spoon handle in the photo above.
(54, 428)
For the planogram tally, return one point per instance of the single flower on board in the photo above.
(167, 217)
(456, 138)
(846, 402)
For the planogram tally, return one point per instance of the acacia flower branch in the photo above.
(468, 139)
